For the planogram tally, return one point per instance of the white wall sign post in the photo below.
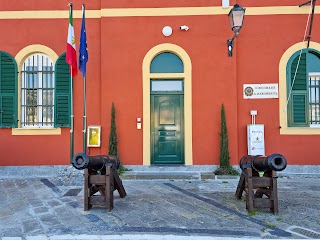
(255, 139)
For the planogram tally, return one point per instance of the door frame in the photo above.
(187, 77)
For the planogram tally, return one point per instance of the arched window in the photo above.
(37, 92)
(303, 89)
(166, 62)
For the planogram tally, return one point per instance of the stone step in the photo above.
(167, 175)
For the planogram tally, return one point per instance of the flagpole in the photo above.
(84, 116)
(83, 58)
(71, 104)
(71, 119)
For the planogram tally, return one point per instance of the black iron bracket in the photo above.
(230, 43)
(304, 3)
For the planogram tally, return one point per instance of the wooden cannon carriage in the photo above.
(100, 176)
(257, 186)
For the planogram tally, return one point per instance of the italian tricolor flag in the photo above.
(71, 57)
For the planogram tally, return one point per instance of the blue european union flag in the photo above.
(83, 50)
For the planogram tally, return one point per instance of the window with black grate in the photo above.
(37, 92)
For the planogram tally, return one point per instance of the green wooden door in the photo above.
(167, 141)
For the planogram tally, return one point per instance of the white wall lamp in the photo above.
(167, 31)
(236, 16)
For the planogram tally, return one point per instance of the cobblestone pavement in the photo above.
(53, 209)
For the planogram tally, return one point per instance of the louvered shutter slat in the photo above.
(8, 91)
(62, 93)
(298, 112)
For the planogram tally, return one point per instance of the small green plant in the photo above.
(225, 167)
(263, 229)
(252, 213)
(226, 171)
(122, 169)
(279, 219)
(269, 224)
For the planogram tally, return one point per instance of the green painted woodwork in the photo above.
(166, 62)
(8, 91)
(62, 98)
(300, 82)
(299, 109)
(167, 131)
(298, 106)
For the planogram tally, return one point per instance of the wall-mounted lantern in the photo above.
(236, 16)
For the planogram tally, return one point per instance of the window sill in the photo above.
(299, 131)
(36, 131)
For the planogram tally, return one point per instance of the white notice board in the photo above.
(255, 135)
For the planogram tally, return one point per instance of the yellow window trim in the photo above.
(187, 98)
(284, 129)
(36, 131)
(21, 56)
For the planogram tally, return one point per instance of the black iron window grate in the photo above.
(314, 99)
(37, 92)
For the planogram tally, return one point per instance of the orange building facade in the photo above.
(125, 45)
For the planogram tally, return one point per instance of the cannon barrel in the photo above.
(276, 162)
(81, 161)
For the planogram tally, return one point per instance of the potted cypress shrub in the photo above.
(113, 139)
(225, 167)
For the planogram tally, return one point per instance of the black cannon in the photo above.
(96, 163)
(100, 176)
(255, 185)
(275, 162)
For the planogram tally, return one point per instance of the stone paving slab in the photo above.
(40, 208)
(122, 237)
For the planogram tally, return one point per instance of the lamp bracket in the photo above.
(230, 43)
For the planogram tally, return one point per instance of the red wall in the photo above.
(117, 46)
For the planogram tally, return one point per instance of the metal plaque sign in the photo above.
(260, 90)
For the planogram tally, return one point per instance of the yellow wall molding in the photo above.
(178, 11)
(279, 10)
(144, 12)
(20, 58)
(36, 131)
(283, 91)
(53, 14)
(187, 98)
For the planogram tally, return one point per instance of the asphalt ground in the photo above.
(52, 208)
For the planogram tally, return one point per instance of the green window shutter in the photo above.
(8, 91)
(62, 93)
(298, 110)
(300, 82)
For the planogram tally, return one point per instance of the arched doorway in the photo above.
(167, 88)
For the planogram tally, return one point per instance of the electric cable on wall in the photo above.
(295, 73)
